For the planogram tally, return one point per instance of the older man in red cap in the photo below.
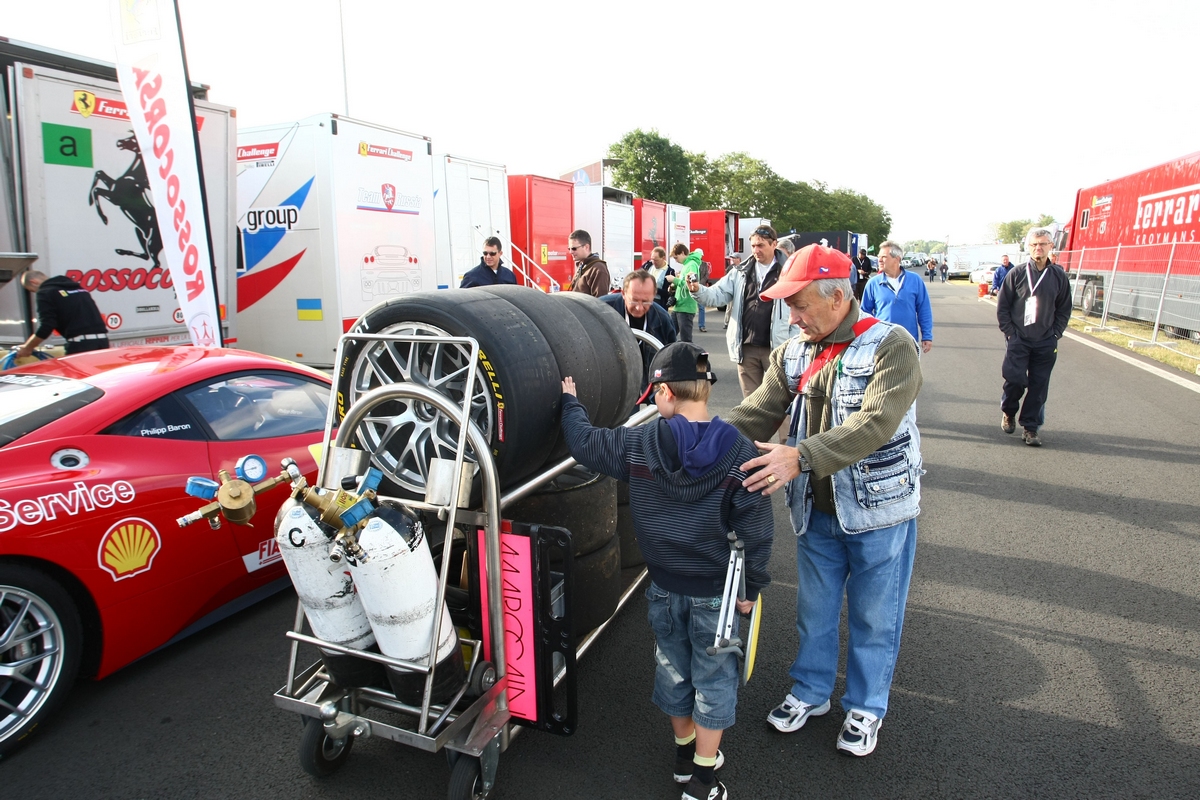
(852, 471)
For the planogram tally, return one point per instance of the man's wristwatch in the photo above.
(804, 465)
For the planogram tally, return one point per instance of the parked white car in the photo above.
(983, 274)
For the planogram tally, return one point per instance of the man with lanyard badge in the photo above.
(1033, 309)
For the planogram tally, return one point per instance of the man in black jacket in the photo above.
(491, 269)
(1033, 309)
(64, 306)
(865, 269)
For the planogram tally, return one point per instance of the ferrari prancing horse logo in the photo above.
(85, 103)
(129, 548)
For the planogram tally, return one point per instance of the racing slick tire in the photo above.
(515, 399)
(597, 589)
(631, 554)
(585, 503)
(580, 356)
(321, 756)
(39, 627)
(619, 359)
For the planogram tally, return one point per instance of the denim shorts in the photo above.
(688, 682)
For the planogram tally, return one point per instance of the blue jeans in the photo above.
(874, 569)
(700, 316)
(688, 682)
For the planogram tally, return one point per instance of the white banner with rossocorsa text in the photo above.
(151, 72)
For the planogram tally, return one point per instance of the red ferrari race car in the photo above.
(95, 451)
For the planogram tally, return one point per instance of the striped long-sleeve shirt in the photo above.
(681, 520)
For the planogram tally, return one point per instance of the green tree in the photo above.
(746, 184)
(924, 246)
(1015, 230)
(705, 183)
(652, 166)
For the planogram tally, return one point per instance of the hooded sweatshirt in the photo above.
(684, 302)
(685, 495)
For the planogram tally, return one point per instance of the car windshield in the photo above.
(27, 402)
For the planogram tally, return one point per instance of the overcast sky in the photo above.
(953, 115)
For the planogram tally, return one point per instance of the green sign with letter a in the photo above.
(66, 145)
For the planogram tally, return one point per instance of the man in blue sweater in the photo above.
(893, 295)
(685, 495)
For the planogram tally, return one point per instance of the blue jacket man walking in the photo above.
(893, 295)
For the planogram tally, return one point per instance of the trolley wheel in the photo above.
(321, 756)
(483, 678)
(466, 780)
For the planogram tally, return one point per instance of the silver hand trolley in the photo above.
(472, 737)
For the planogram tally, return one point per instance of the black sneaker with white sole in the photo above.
(684, 766)
(698, 791)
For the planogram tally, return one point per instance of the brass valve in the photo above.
(234, 496)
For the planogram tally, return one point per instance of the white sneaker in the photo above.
(790, 715)
(860, 733)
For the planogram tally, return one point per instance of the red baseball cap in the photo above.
(808, 264)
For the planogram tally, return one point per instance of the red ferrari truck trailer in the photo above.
(1132, 246)
(649, 228)
(715, 232)
(542, 216)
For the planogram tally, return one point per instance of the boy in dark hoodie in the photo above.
(685, 495)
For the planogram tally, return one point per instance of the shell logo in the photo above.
(129, 548)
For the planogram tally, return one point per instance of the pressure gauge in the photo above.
(251, 469)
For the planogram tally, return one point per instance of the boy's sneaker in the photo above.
(790, 715)
(698, 791)
(860, 733)
(1007, 423)
(684, 766)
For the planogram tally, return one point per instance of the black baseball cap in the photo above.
(681, 361)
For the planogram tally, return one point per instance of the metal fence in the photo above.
(1157, 285)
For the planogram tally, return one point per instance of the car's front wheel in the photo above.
(40, 642)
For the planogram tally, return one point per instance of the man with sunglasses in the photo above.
(591, 273)
(491, 269)
(757, 325)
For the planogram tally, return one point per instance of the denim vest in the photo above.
(882, 490)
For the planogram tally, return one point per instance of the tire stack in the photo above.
(631, 554)
(529, 341)
(584, 503)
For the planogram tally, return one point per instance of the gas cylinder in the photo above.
(398, 585)
(326, 591)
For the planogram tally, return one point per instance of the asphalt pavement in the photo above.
(1051, 646)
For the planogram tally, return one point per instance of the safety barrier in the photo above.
(1156, 286)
